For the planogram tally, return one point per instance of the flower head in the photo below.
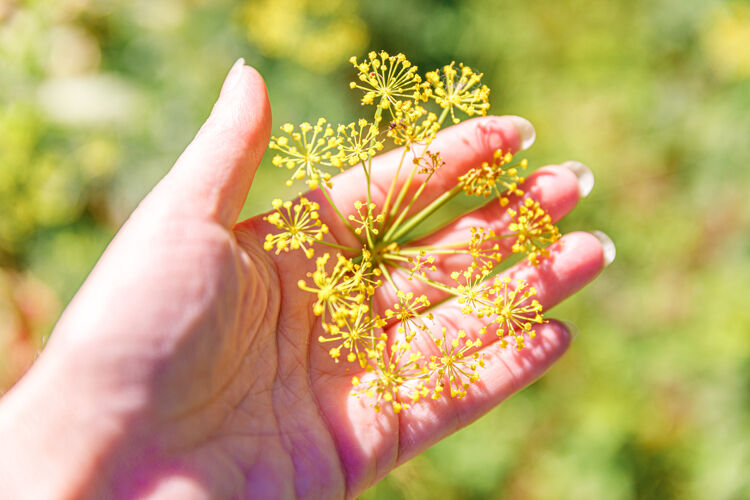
(412, 124)
(383, 246)
(473, 292)
(484, 253)
(408, 312)
(420, 264)
(387, 79)
(366, 221)
(340, 293)
(398, 376)
(533, 229)
(299, 224)
(487, 179)
(358, 142)
(459, 89)
(457, 364)
(428, 163)
(515, 310)
(306, 151)
(355, 336)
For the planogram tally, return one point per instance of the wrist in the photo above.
(53, 442)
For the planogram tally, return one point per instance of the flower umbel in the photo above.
(459, 89)
(456, 365)
(398, 377)
(300, 225)
(407, 313)
(387, 79)
(493, 178)
(412, 124)
(533, 229)
(359, 142)
(306, 151)
(374, 295)
(515, 310)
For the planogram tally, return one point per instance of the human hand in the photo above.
(187, 366)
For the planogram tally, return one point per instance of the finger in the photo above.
(212, 177)
(461, 146)
(556, 188)
(507, 371)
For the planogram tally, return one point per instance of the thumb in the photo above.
(212, 177)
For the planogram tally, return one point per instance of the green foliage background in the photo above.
(99, 97)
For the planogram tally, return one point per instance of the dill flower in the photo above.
(473, 292)
(533, 229)
(484, 253)
(340, 293)
(345, 279)
(300, 225)
(359, 142)
(366, 221)
(412, 124)
(515, 309)
(306, 151)
(407, 312)
(492, 178)
(387, 79)
(459, 89)
(399, 377)
(456, 365)
(354, 336)
(421, 263)
(429, 162)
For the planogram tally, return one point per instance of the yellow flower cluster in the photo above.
(381, 341)
(308, 150)
(459, 89)
(299, 223)
(359, 142)
(493, 178)
(387, 79)
(456, 365)
(533, 229)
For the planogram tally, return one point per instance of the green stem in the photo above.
(387, 276)
(443, 115)
(368, 231)
(394, 256)
(405, 188)
(341, 216)
(426, 212)
(378, 114)
(391, 189)
(336, 245)
(425, 279)
(411, 203)
(402, 192)
(433, 250)
(448, 248)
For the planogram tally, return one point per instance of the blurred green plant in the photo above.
(651, 401)
(315, 34)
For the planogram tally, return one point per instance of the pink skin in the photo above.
(187, 366)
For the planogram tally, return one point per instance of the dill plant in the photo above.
(408, 110)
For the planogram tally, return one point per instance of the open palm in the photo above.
(194, 354)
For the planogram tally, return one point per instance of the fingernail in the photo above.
(584, 175)
(608, 247)
(234, 75)
(572, 329)
(526, 131)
